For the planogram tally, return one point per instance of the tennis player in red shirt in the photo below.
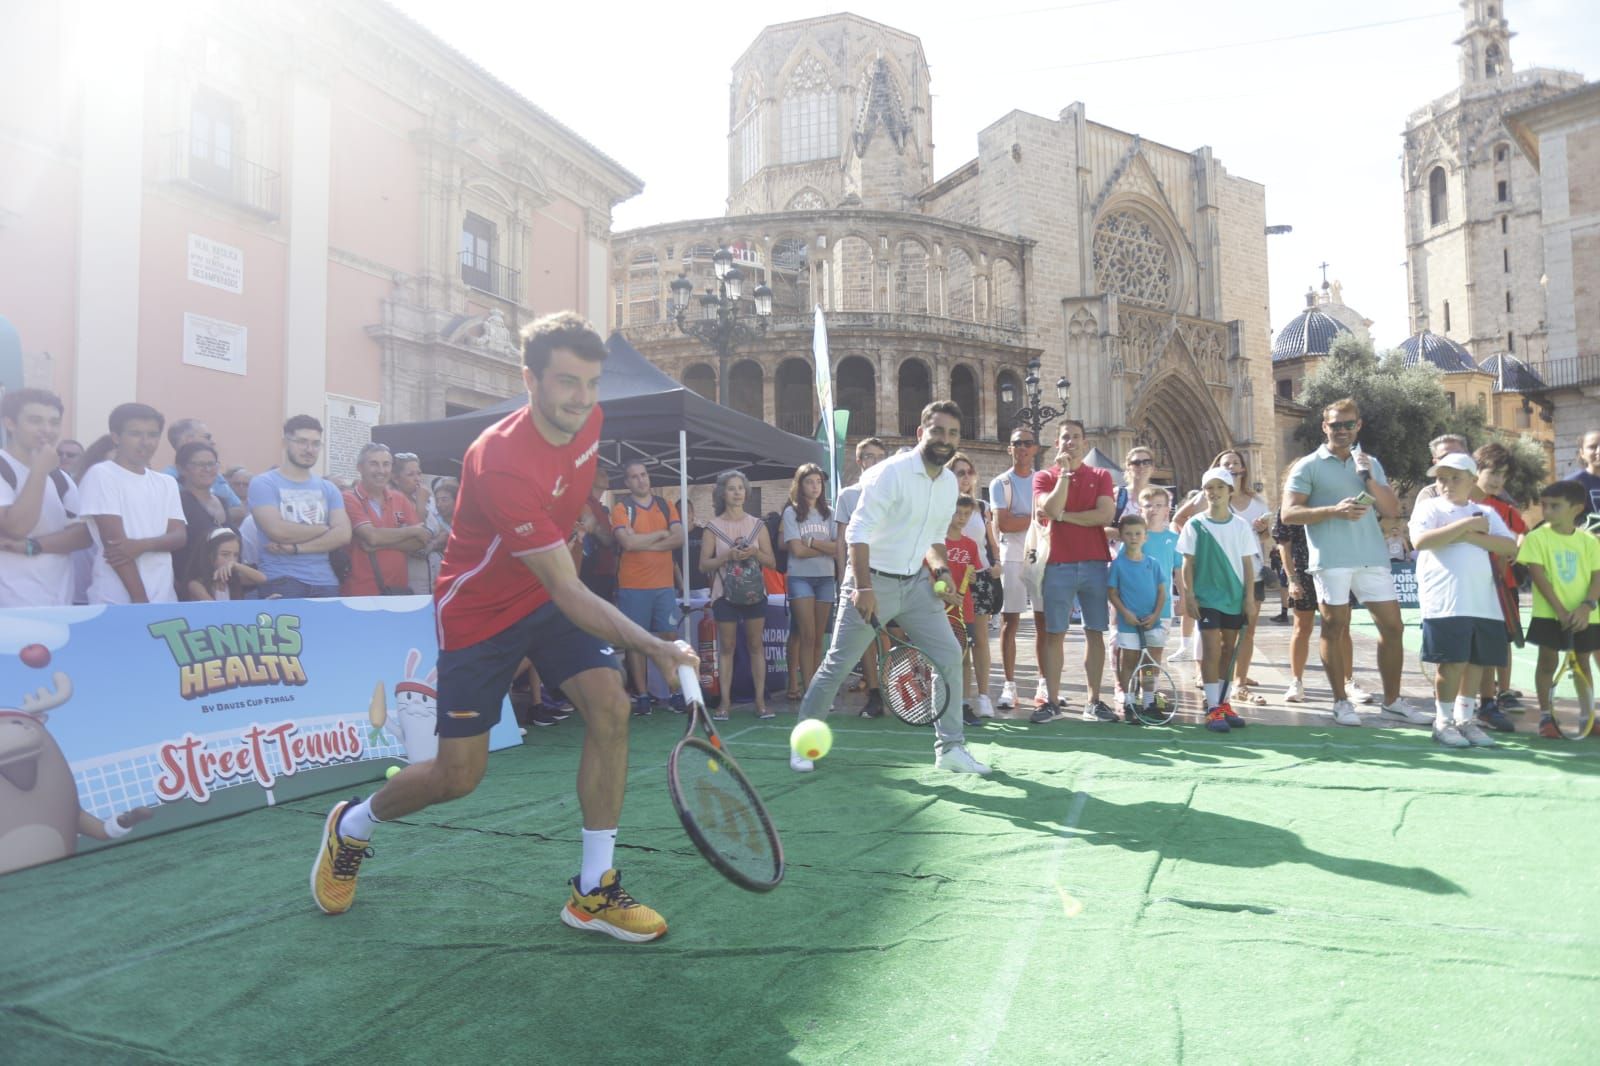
(507, 588)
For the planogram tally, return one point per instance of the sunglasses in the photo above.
(1141, 462)
(405, 457)
(1349, 424)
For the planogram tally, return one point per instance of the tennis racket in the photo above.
(1154, 695)
(718, 806)
(912, 687)
(1572, 693)
(953, 611)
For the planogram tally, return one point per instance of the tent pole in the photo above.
(683, 517)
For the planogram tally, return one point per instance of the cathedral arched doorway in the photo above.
(858, 394)
(1184, 428)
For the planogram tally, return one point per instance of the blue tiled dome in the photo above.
(1511, 374)
(1309, 333)
(1442, 352)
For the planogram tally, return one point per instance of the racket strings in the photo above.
(909, 685)
(727, 813)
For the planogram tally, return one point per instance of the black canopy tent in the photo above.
(683, 437)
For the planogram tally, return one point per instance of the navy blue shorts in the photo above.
(473, 680)
(1477, 641)
(723, 611)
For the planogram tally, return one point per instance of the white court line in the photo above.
(1003, 990)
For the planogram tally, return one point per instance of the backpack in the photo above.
(58, 476)
(742, 582)
(632, 508)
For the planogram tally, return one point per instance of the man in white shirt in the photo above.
(1011, 500)
(135, 514)
(39, 529)
(869, 453)
(898, 526)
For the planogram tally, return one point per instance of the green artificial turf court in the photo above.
(1109, 895)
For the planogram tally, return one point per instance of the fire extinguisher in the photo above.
(706, 639)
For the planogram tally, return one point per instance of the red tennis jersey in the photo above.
(520, 494)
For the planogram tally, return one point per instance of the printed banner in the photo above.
(1405, 583)
(119, 722)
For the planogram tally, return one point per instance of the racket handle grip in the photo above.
(689, 683)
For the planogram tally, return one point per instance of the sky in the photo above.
(1310, 100)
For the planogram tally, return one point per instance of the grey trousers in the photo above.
(909, 601)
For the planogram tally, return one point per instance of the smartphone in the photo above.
(1366, 499)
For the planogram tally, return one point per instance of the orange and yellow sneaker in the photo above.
(333, 875)
(609, 909)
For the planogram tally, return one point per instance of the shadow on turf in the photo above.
(1178, 831)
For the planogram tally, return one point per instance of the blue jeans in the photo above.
(1084, 581)
(292, 588)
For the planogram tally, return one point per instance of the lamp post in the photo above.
(1035, 414)
(719, 324)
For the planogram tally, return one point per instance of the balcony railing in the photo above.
(800, 423)
(238, 181)
(491, 277)
(1573, 372)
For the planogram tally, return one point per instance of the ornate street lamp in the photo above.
(720, 325)
(1035, 415)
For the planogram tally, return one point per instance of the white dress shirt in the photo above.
(902, 512)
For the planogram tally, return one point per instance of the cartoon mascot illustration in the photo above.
(415, 715)
(40, 818)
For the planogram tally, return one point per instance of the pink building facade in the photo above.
(253, 211)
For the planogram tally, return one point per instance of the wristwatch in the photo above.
(31, 546)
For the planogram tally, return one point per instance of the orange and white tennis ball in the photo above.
(811, 739)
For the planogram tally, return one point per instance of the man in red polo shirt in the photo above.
(1078, 501)
(507, 589)
(383, 527)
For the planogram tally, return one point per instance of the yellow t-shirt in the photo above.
(1569, 562)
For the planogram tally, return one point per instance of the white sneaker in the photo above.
(1008, 696)
(1182, 655)
(1402, 711)
(1295, 693)
(985, 708)
(958, 760)
(1344, 713)
(799, 765)
(1449, 735)
(1356, 694)
(1474, 734)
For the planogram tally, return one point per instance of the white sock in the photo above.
(598, 845)
(358, 821)
(1466, 707)
(1213, 693)
(1441, 712)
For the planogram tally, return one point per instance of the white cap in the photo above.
(1217, 473)
(1454, 461)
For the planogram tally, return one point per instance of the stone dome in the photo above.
(1442, 352)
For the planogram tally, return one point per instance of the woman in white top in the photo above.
(733, 536)
(981, 530)
(1251, 506)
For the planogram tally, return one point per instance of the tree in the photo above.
(1403, 407)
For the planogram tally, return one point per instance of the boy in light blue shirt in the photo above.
(1137, 586)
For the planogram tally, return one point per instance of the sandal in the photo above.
(765, 712)
(720, 716)
(794, 697)
(1244, 695)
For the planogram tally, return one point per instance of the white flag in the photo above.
(824, 369)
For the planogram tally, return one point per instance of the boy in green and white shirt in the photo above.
(1219, 553)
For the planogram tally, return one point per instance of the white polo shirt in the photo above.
(38, 580)
(902, 512)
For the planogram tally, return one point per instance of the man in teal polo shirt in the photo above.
(1338, 493)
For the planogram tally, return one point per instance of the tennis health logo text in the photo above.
(217, 658)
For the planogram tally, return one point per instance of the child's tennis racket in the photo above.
(954, 611)
(718, 806)
(1572, 693)
(912, 687)
(1150, 687)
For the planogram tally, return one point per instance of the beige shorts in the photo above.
(1019, 598)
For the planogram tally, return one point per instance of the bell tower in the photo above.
(1485, 43)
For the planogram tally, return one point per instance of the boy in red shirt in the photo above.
(1495, 694)
(961, 554)
(507, 588)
